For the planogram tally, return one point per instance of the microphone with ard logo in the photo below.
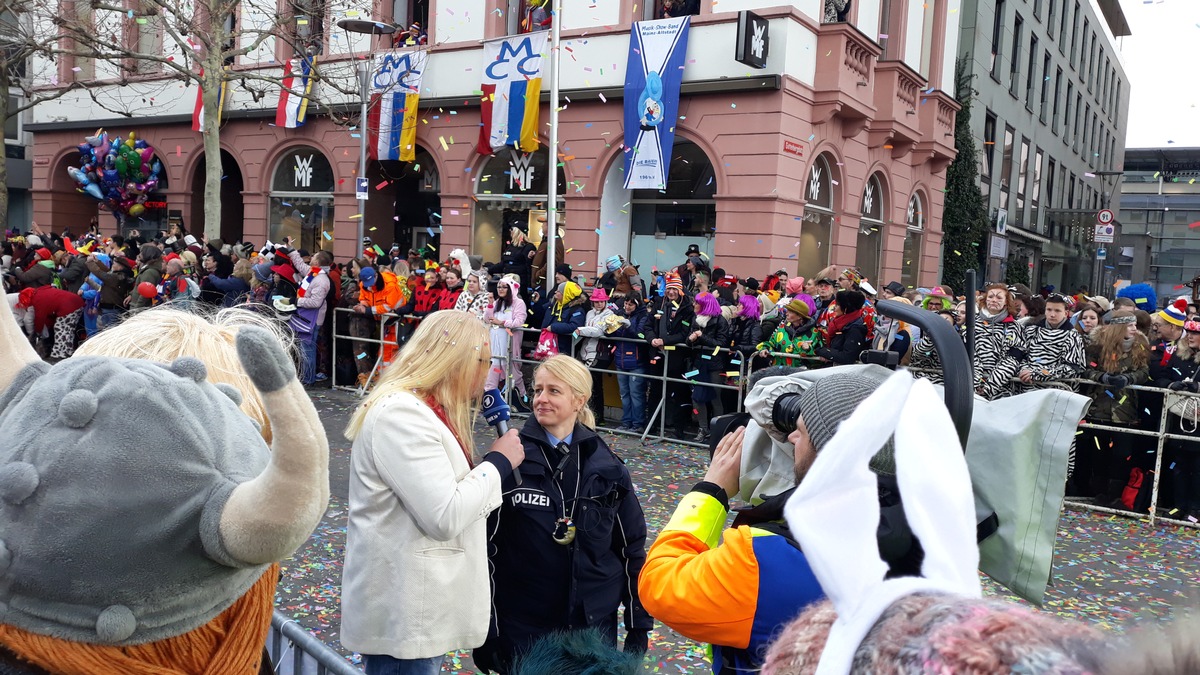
(496, 414)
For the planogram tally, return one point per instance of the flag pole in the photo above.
(551, 230)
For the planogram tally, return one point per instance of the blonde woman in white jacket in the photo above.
(416, 556)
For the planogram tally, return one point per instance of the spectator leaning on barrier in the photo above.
(565, 314)
(475, 298)
(1181, 461)
(1055, 349)
(709, 335)
(796, 335)
(595, 353)
(672, 318)
(1000, 342)
(1117, 358)
(846, 333)
(505, 317)
(631, 358)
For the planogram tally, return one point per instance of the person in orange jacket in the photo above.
(380, 293)
(737, 589)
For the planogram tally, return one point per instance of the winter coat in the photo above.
(593, 350)
(1111, 405)
(518, 260)
(563, 323)
(672, 324)
(73, 273)
(506, 340)
(232, 290)
(1052, 353)
(416, 544)
(540, 586)
(319, 287)
(539, 260)
(384, 296)
(847, 344)
(627, 283)
(117, 285)
(476, 304)
(449, 297)
(745, 335)
(714, 335)
(424, 301)
(41, 274)
(632, 352)
(790, 339)
(150, 273)
(1000, 346)
(50, 304)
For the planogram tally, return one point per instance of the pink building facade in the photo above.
(839, 157)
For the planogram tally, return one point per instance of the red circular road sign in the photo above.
(1105, 217)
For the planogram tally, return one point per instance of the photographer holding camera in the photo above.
(738, 593)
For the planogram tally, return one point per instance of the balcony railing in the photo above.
(845, 76)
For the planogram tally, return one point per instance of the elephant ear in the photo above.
(17, 351)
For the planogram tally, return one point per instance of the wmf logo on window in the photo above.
(753, 40)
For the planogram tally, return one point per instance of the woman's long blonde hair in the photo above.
(577, 377)
(446, 359)
(164, 334)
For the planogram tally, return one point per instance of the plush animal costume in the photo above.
(141, 513)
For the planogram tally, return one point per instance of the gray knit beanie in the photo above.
(830, 401)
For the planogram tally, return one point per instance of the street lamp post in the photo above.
(1105, 200)
(364, 93)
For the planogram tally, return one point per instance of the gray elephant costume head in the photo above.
(137, 502)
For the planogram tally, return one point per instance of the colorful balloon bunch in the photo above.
(120, 175)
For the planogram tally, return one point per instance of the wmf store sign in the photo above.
(753, 40)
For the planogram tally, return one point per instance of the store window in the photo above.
(914, 234)
(664, 222)
(871, 228)
(410, 200)
(301, 203)
(817, 226)
(513, 186)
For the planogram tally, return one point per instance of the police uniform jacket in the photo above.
(539, 585)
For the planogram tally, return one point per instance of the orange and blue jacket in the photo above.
(384, 300)
(736, 595)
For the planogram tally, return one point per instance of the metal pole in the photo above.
(551, 232)
(364, 92)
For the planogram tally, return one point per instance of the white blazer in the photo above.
(415, 582)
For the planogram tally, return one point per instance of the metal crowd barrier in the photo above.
(385, 320)
(656, 423)
(295, 651)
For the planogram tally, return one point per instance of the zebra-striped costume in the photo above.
(1001, 344)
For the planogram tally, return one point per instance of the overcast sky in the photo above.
(1160, 59)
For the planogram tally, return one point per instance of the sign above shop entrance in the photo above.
(753, 40)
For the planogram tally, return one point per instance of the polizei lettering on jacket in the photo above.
(528, 498)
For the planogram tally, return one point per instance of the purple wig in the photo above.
(750, 307)
(808, 300)
(708, 304)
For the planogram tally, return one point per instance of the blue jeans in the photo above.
(382, 664)
(308, 358)
(633, 396)
(90, 322)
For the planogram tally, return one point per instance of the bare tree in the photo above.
(158, 43)
(19, 71)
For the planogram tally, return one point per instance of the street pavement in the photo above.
(1110, 571)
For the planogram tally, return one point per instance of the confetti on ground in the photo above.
(1110, 571)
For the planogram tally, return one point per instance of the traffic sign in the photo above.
(1105, 234)
(1105, 217)
(1101, 254)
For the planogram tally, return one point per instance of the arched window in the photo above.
(513, 186)
(871, 228)
(817, 225)
(664, 222)
(914, 233)
(302, 199)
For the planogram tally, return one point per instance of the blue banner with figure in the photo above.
(655, 71)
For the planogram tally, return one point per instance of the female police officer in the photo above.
(567, 545)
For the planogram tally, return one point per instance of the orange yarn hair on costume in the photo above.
(230, 644)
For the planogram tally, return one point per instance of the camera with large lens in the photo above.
(785, 412)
